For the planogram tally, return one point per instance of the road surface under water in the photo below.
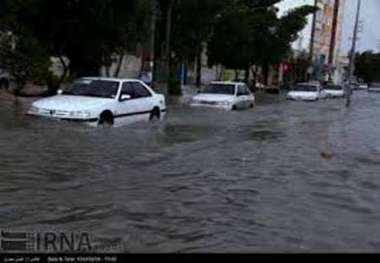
(283, 177)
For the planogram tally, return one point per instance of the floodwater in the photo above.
(283, 177)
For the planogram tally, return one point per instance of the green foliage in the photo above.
(88, 32)
(91, 33)
(24, 59)
(193, 21)
(249, 32)
(367, 66)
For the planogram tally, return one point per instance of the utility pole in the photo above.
(168, 35)
(311, 54)
(312, 39)
(152, 46)
(353, 56)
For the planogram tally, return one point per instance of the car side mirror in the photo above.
(59, 92)
(125, 97)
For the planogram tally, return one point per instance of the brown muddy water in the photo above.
(283, 177)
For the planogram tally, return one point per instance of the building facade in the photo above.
(322, 36)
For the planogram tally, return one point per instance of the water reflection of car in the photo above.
(102, 101)
(310, 91)
(374, 87)
(334, 91)
(225, 95)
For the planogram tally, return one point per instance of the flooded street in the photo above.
(283, 177)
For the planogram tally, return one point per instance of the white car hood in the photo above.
(70, 103)
(334, 92)
(213, 97)
(303, 94)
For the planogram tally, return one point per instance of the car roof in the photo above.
(308, 84)
(227, 83)
(109, 79)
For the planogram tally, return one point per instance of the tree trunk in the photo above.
(221, 73)
(65, 70)
(107, 71)
(118, 67)
(265, 74)
(237, 73)
(199, 70)
(168, 38)
(19, 86)
(246, 77)
(254, 77)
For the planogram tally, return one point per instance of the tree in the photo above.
(249, 32)
(88, 32)
(191, 32)
(367, 66)
(23, 59)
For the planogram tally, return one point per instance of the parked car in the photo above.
(363, 86)
(103, 101)
(374, 87)
(334, 91)
(225, 95)
(310, 91)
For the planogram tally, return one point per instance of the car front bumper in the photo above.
(302, 99)
(213, 106)
(62, 118)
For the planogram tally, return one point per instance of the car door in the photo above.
(322, 93)
(248, 96)
(243, 97)
(144, 98)
(127, 107)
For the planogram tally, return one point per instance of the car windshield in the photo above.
(226, 89)
(334, 87)
(96, 88)
(305, 88)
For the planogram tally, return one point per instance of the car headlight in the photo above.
(224, 103)
(80, 114)
(34, 109)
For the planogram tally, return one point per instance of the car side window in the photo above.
(140, 91)
(242, 91)
(246, 90)
(127, 89)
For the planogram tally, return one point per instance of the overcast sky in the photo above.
(370, 36)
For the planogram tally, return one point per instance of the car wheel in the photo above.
(155, 114)
(251, 106)
(106, 119)
(234, 108)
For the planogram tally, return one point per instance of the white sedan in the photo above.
(334, 91)
(225, 95)
(103, 101)
(311, 91)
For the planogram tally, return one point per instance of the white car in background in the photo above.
(103, 101)
(363, 86)
(334, 91)
(374, 87)
(310, 91)
(225, 95)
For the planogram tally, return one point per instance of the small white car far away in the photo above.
(334, 91)
(225, 95)
(310, 91)
(374, 87)
(103, 102)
